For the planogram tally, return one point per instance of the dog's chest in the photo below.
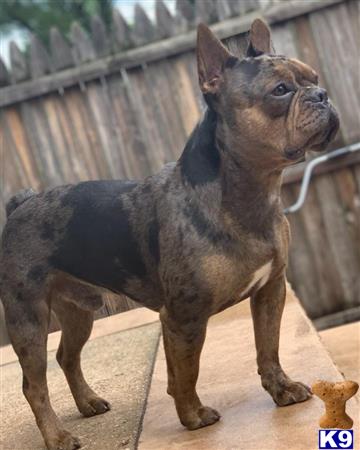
(230, 281)
(259, 278)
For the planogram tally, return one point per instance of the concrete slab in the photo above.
(229, 382)
(117, 366)
(343, 344)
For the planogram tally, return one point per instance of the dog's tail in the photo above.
(18, 199)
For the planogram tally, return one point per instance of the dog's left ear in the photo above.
(259, 39)
(211, 59)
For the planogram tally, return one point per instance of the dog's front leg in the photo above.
(267, 306)
(183, 344)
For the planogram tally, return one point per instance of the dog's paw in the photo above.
(202, 418)
(291, 392)
(63, 441)
(93, 405)
(208, 416)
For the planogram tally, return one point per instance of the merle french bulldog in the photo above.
(203, 234)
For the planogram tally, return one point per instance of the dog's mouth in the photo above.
(322, 139)
(318, 142)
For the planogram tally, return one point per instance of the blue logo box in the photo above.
(339, 439)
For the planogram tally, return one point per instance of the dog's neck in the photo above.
(250, 191)
(249, 182)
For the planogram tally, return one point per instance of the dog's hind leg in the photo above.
(27, 318)
(76, 325)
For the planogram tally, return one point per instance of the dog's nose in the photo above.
(318, 95)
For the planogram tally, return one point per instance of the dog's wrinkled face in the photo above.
(269, 101)
(274, 100)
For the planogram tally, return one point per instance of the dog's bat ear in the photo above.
(211, 59)
(259, 39)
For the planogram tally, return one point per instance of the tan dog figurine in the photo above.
(335, 396)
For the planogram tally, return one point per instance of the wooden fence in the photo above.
(89, 111)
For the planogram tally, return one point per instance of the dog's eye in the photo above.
(280, 89)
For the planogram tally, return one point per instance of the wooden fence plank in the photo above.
(147, 104)
(15, 125)
(165, 22)
(121, 32)
(137, 141)
(48, 146)
(99, 36)
(206, 12)
(20, 178)
(61, 56)
(143, 31)
(4, 74)
(39, 58)
(342, 250)
(32, 135)
(11, 180)
(64, 111)
(102, 117)
(284, 40)
(305, 281)
(83, 50)
(329, 290)
(353, 8)
(120, 113)
(244, 6)
(167, 97)
(157, 94)
(112, 131)
(191, 66)
(139, 124)
(349, 196)
(189, 109)
(62, 146)
(19, 67)
(93, 141)
(78, 117)
(186, 9)
(224, 9)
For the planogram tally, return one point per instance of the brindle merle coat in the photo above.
(203, 234)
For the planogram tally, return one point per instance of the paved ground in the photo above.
(229, 382)
(117, 366)
(118, 363)
(343, 344)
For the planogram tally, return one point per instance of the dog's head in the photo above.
(268, 102)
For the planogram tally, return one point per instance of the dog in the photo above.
(200, 236)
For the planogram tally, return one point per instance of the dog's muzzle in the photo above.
(324, 133)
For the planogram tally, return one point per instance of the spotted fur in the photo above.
(201, 235)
